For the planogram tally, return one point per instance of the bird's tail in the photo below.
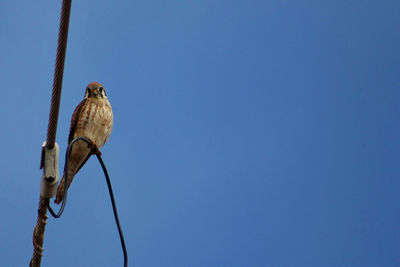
(60, 189)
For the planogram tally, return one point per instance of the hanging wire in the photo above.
(121, 235)
(66, 165)
(114, 206)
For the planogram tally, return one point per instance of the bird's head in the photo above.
(95, 90)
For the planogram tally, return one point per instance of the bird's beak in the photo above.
(95, 92)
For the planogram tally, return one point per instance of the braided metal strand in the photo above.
(38, 233)
(58, 73)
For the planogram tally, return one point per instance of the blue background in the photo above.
(246, 133)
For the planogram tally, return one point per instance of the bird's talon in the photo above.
(94, 149)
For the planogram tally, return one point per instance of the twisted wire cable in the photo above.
(39, 230)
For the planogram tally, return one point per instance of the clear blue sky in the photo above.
(246, 133)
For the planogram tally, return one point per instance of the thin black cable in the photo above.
(114, 206)
(121, 235)
(66, 165)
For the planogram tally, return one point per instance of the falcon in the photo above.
(93, 119)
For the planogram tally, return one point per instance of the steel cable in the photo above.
(38, 233)
(58, 73)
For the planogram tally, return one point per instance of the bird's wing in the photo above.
(74, 120)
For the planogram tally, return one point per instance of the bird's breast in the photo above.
(95, 121)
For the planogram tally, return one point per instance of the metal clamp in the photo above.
(49, 164)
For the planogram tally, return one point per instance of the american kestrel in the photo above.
(93, 119)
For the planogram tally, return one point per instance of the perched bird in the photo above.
(93, 119)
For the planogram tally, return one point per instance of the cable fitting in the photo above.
(49, 164)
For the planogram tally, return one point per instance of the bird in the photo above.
(93, 119)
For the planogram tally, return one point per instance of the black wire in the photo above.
(114, 206)
(66, 165)
(121, 235)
